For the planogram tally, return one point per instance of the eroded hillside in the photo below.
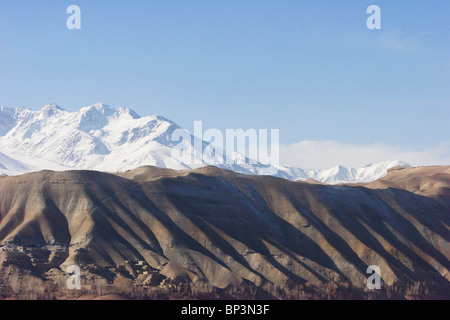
(154, 227)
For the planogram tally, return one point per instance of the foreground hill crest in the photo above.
(226, 229)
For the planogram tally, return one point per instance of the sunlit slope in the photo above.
(227, 228)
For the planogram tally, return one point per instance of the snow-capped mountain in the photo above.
(340, 174)
(97, 137)
(105, 138)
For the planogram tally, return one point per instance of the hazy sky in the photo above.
(309, 68)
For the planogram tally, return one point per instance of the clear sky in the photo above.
(309, 68)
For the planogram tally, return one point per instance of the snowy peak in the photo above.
(53, 107)
(341, 174)
(106, 138)
(94, 137)
(99, 114)
(335, 174)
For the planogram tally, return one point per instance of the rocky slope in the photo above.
(228, 229)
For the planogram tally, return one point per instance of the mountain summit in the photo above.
(94, 137)
(105, 138)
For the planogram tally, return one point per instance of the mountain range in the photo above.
(105, 138)
(99, 189)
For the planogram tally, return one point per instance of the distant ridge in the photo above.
(105, 138)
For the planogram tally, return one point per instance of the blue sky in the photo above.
(309, 68)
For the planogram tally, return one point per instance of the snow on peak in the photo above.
(94, 137)
(102, 137)
(341, 174)
(99, 115)
(50, 110)
(51, 106)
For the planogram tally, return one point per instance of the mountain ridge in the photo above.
(216, 226)
(105, 138)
